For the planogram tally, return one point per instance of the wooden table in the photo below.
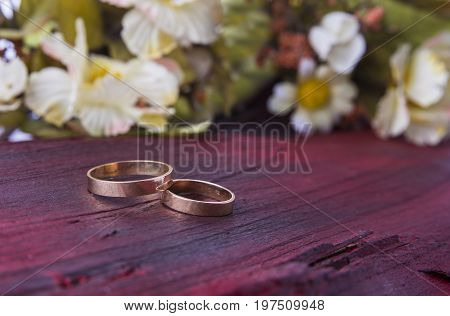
(372, 217)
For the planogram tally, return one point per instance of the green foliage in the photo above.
(246, 29)
(35, 14)
(42, 129)
(183, 109)
(118, 50)
(410, 23)
(12, 119)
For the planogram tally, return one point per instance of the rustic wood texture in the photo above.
(372, 217)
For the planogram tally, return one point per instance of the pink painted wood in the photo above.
(373, 217)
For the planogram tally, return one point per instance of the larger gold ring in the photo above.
(197, 197)
(128, 178)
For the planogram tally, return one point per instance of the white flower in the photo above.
(108, 109)
(7, 8)
(13, 79)
(282, 99)
(320, 99)
(418, 103)
(153, 28)
(101, 92)
(337, 40)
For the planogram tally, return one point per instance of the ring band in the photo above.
(128, 178)
(181, 195)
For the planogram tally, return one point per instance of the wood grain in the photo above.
(372, 218)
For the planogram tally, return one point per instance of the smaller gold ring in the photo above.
(181, 195)
(118, 179)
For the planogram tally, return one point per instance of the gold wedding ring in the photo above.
(195, 197)
(128, 178)
(140, 177)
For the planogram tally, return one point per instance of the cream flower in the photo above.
(337, 40)
(418, 103)
(320, 99)
(153, 28)
(101, 92)
(13, 79)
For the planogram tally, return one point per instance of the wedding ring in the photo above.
(197, 197)
(128, 178)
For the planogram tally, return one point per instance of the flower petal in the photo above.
(342, 25)
(322, 119)
(325, 73)
(152, 81)
(100, 66)
(344, 57)
(306, 67)
(343, 92)
(19, 136)
(399, 62)
(343, 88)
(392, 117)
(282, 99)
(121, 3)
(74, 58)
(341, 106)
(107, 108)
(301, 122)
(172, 66)
(428, 78)
(440, 45)
(13, 79)
(426, 135)
(14, 105)
(143, 38)
(187, 21)
(99, 121)
(51, 94)
(321, 41)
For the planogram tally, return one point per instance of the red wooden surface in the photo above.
(373, 217)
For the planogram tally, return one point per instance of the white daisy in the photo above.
(101, 92)
(338, 42)
(13, 79)
(418, 103)
(320, 99)
(153, 28)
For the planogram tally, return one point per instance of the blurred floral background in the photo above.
(104, 68)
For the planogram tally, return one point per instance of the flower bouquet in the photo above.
(382, 61)
(110, 67)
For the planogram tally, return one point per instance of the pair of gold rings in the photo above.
(144, 177)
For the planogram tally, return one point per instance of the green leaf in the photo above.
(89, 10)
(118, 50)
(35, 14)
(42, 129)
(179, 55)
(183, 109)
(197, 128)
(36, 36)
(12, 119)
(411, 23)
